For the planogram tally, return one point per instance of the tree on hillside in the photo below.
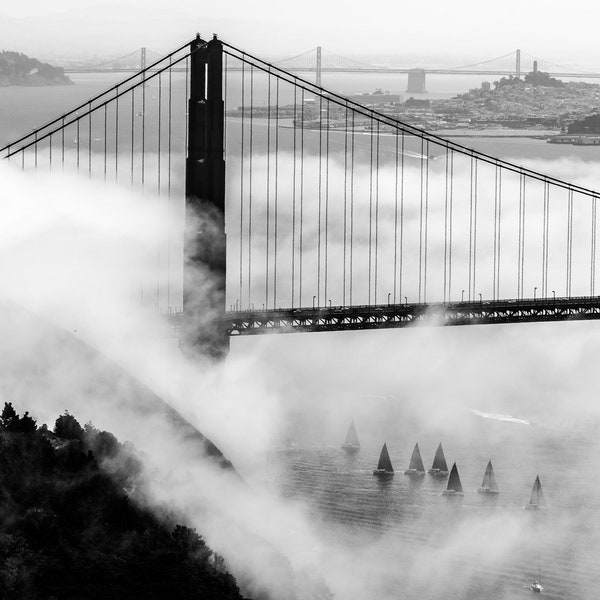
(68, 428)
(9, 418)
(27, 424)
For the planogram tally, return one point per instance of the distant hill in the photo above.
(19, 69)
(71, 526)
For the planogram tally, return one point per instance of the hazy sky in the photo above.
(436, 28)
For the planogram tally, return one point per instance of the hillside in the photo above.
(19, 69)
(70, 525)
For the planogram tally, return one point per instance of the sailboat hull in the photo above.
(350, 448)
(532, 507)
(383, 473)
(536, 587)
(438, 472)
(413, 472)
(452, 493)
(486, 490)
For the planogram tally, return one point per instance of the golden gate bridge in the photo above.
(288, 207)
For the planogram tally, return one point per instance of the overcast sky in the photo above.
(565, 32)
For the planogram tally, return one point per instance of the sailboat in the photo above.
(536, 500)
(416, 463)
(536, 584)
(454, 487)
(488, 485)
(384, 466)
(439, 466)
(351, 444)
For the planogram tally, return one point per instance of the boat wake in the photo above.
(499, 417)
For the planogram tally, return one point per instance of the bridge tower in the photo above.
(142, 59)
(518, 64)
(203, 327)
(416, 81)
(318, 69)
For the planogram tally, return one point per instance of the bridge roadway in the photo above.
(387, 316)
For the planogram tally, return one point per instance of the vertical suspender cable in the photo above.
(268, 187)
(520, 224)
(401, 260)
(276, 192)
(169, 135)
(352, 210)
(470, 270)
(426, 231)
(370, 208)
(90, 140)
(523, 239)
(450, 223)
(319, 202)
(345, 204)
(326, 202)
(116, 137)
(62, 143)
(301, 199)
(395, 215)
(593, 257)
(421, 208)
(143, 165)
(376, 215)
(250, 161)
(242, 154)
(132, 117)
(105, 139)
(446, 227)
(475, 182)
(295, 125)
(77, 144)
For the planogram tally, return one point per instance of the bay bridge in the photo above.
(318, 61)
(290, 208)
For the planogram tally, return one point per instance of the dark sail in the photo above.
(537, 496)
(454, 481)
(416, 462)
(385, 464)
(439, 462)
(352, 436)
(489, 479)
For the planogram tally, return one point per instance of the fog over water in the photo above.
(523, 396)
